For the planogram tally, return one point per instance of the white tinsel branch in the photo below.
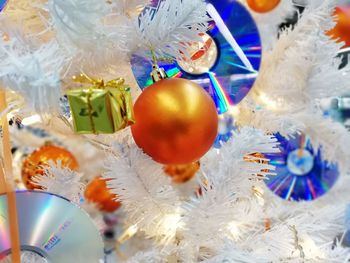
(230, 195)
(269, 22)
(61, 181)
(150, 201)
(33, 72)
(173, 26)
(305, 61)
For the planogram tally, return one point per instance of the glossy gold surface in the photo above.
(176, 121)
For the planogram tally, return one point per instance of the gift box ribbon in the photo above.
(121, 103)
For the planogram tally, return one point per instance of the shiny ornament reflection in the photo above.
(35, 163)
(182, 173)
(52, 227)
(233, 59)
(3, 4)
(176, 121)
(263, 6)
(97, 192)
(341, 32)
(300, 162)
(302, 174)
(200, 57)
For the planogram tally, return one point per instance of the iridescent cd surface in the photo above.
(53, 228)
(302, 174)
(231, 76)
(3, 3)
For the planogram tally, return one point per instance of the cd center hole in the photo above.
(300, 162)
(200, 57)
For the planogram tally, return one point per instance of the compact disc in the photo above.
(225, 63)
(302, 174)
(3, 4)
(52, 228)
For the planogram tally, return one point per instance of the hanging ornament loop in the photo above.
(98, 83)
(157, 73)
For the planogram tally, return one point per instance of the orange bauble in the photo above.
(257, 158)
(98, 193)
(341, 32)
(176, 121)
(34, 163)
(182, 173)
(263, 6)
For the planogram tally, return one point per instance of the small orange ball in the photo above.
(98, 193)
(341, 32)
(250, 159)
(182, 173)
(33, 164)
(263, 6)
(176, 121)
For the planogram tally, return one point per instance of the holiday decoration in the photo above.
(257, 158)
(3, 3)
(263, 6)
(185, 55)
(341, 32)
(102, 107)
(224, 61)
(182, 173)
(176, 121)
(97, 192)
(225, 129)
(302, 173)
(53, 228)
(35, 163)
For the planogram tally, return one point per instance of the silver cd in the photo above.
(53, 228)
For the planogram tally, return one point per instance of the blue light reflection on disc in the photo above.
(291, 183)
(229, 80)
(3, 4)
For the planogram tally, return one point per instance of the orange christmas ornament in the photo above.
(176, 121)
(257, 158)
(33, 164)
(263, 6)
(341, 32)
(98, 193)
(182, 173)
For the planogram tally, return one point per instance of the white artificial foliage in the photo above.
(235, 218)
(268, 121)
(151, 256)
(95, 214)
(146, 192)
(130, 6)
(76, 21)
(230, 187)
(268, 23)
(304, 59)
(61, 181)
(33, 72)
(28, 15)
(332, 137)
(175, 23)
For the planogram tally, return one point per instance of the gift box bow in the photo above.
(120, 102)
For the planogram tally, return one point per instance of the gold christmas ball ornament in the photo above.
(182, 173)
(97, 192)
(35, 163)
(176, 121)
(263, 6)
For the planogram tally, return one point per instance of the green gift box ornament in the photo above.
(104, 107)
